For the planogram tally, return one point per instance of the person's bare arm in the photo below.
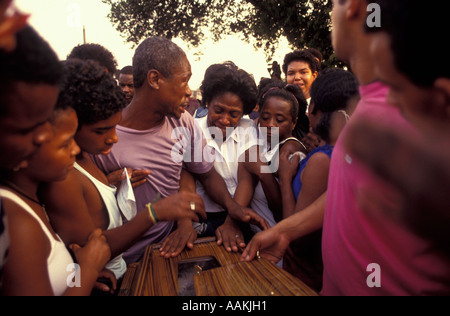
(185, 234)
(314, 181)
(67, 209)
(26, 270)
(268, 181)
(246, 186)
(217, 190)
(273, 243)
(229, 234)
(70, 215)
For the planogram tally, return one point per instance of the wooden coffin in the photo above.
(212, 271)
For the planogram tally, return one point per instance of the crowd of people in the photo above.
(338, 176)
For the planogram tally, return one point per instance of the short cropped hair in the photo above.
(227, 77)
(156, 53)
(33, 61)
(97, 53)
(91, 91)
(415, 27)
(301, 55)
(128, 70)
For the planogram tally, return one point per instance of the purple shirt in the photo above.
(164, 151)
(365, 252)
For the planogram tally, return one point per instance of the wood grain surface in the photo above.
(156, 276)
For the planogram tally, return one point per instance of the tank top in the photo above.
(297, 183)
(59, 260)
(108, 194)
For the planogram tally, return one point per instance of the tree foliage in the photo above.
(305, 23)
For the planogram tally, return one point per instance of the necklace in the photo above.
(21, 192)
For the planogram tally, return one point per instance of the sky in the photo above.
(61, 23)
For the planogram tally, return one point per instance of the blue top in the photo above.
(297, 183)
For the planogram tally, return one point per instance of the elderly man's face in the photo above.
(175, 91)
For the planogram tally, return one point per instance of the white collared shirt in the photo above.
(227, 154)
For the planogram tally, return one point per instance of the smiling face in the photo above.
(299, 73)
(224, 111)
(24, 125)
(277, 113)
(99, 138)
(54, 159)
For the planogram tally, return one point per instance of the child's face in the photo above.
(54, 160)
(99, 138)
(276, 113)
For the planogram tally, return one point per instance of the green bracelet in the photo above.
(152, 213)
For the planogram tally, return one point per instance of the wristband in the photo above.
(152, 213)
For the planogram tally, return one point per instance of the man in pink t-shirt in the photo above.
(423, 95)
(365, 250)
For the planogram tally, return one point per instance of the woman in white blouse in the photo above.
(229, 93)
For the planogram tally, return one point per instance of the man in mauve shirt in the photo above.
(156, 134)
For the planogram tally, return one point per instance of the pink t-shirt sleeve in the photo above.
(365, 251)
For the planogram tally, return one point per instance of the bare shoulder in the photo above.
(318, 164)
(319, 158)
(26, 271)
(24, 229)
(60, 193)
